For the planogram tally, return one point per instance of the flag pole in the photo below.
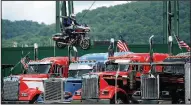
(116, 49)
(116, 76)
(116, 46)
(18, 63)
(21, 55)
(177, 41)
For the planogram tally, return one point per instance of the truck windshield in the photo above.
(78, 73)
(114, 67)
(124, 67)
(38, 69)
(111, 67)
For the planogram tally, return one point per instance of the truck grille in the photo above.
(11, 90)
(90, 86)
(149, 87)
(53, 90)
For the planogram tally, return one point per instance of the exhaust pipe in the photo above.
(151, 48)
(63, 43)
(35, 51)
(151, 52)
(111, 48)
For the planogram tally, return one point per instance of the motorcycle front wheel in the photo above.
(85, 43)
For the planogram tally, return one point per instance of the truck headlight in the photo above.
(77, 93)
(165, 93)
(105, 92)
(24, 94)
(67, 94)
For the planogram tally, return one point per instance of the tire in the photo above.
(34, 100)
(180, 101)
(120, 100)
(85, 44)
(60, 46)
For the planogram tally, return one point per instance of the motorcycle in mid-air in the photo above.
(78, 37)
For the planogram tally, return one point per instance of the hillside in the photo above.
(26, 32)
(135, 21)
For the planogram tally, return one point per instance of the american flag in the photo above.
(122, 45)
(25, 65)
(182, 44)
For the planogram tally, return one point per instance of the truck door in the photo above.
(57, 71)
(62, 71)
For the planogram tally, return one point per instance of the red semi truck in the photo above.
(172, 85)
(27, 88)
(100, 87)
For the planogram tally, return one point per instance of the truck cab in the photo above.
(27, 88)
(107, 88)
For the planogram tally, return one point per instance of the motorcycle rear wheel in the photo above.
(85, 44)
(59, 45)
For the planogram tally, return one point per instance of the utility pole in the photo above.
(61, 10)
(170, 15)
(168, 28)
(70, 7)
(57, 16)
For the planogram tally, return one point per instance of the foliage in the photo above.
(135, 21)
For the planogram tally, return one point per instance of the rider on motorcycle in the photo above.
(72, 24)
(72, 33)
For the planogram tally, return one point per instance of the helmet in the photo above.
(72, 16)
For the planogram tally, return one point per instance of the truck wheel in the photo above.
(180, 101)
(120, 100)
(34, 100)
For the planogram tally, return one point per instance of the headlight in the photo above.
(105, 92)
(165, 93)
(24, 94)
(67, 94)
(77, 93)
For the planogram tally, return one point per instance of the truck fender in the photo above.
(77, 97)
(111, 90)
(31, 94)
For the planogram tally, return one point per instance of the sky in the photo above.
(44, 11)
